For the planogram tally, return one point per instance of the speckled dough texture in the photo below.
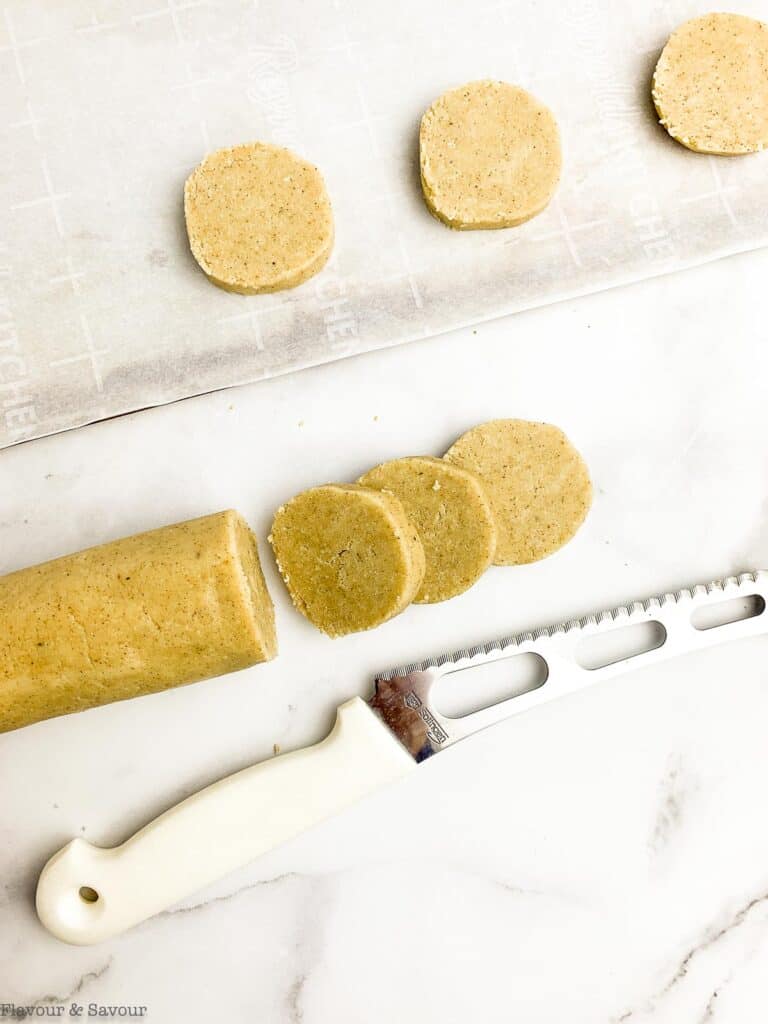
(490, 156)
(451, 511)
(537, 482)
(710, 87)
(349, 555)
(131, 617)
(258, 218)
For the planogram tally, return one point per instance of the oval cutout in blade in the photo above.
(619, 644)
(467, 690)
(710, 616)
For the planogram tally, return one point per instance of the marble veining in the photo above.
(712, 936)
(79, 988)
(675, 790)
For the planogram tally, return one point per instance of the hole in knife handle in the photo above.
(723, 613)
(619, 644)
(477, 687)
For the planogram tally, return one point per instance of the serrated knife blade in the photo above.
(404, 697)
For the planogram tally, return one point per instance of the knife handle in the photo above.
(89, 893)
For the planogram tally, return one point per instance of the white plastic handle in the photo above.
(88, 893)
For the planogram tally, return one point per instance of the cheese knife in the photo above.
(88, 893)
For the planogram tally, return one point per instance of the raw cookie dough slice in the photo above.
(258, 218)
(710, 86)
(349, 555)
(537, 482)
(451, 511)
(490, 156)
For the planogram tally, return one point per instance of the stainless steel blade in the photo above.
(403, 696)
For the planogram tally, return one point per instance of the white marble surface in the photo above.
(602, 859)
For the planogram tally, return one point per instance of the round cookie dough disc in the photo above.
(349, 555)
(710, 87)
(490, 156)
(258, 218)
(537, 482)
(452, 513)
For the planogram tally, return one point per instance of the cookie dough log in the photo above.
(131, 617)
(710, 86)
(258, 218)
(451, 511)
(490, 156)
(349, 555)
(537, 482)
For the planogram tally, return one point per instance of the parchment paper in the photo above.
(106, 106)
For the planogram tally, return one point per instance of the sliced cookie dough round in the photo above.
(490, 156)
(349, 555)
(451, 511)
(258, 218)
(537, 482)
(710, 86)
